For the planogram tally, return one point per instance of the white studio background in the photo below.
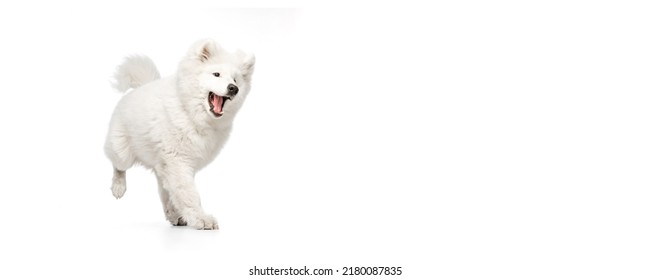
(459, 141)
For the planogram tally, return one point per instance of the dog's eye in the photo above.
(234, 80)
(216, 74)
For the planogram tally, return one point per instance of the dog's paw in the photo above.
(179, 222)
(174, 218)
(204, 221)
(119, 187)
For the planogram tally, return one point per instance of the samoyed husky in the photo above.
(177, 125)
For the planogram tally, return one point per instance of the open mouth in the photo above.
(216, 103)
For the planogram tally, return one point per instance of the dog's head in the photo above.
(215, 80)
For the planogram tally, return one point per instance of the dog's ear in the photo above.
(205, 50)
(247, 66)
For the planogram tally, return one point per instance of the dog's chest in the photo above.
(204, 146)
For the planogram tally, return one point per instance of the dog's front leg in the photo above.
(178, 181)
(171, 213)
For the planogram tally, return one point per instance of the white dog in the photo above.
(177, 125)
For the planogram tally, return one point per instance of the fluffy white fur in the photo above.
(167, 125)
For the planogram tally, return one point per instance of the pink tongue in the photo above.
(217, 101)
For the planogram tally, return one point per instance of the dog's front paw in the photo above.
(201, 221)
(174, 218)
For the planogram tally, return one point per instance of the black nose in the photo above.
(232, 89)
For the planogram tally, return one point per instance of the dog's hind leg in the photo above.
(119, 183)
(118, 151)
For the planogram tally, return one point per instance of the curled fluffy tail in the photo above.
(136, 70)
